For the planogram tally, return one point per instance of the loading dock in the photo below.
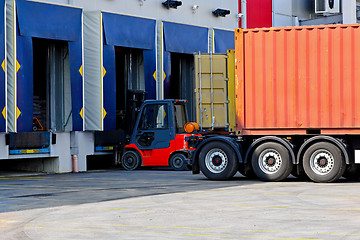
(119, 68)
(51, 86)
(182, 80)
(44, 85)
(129, 65)
(181, 41)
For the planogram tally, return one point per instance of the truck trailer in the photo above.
(296, 107)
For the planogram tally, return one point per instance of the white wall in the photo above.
(154, 9)
(282, 13)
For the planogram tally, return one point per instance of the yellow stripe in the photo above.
(162, 59)
(247, 237)
(261, 206)
(101, 74)
(114, 208)
(14, 63)
(12, 221)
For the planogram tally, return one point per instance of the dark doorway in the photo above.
(129, 76)
(182, 80)
(51, 84)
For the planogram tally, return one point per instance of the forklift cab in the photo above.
(158, 136)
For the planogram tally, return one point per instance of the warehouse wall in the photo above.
(154, 9)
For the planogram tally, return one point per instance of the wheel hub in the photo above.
(129, 160)
(216, 160)
(270, 161)
(178, 162)
(322, 162)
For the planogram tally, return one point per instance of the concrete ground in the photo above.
(174, 205)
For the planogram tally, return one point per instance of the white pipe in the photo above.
(243, 11)
(349, 11)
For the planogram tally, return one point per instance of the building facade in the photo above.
(71, 67)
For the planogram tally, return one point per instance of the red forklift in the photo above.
(158, 137)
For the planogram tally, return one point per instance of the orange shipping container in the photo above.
(298, 80)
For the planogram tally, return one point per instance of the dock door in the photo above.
(51, 86)
(182, 81)
(120, 64)
(181, 41)
(129, 80)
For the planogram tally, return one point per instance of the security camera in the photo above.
(221, 12)
(171, 4)
(194, 7)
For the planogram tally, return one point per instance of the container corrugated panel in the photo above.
(211, 90)
(298, 78)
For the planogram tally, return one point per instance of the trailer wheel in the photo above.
(218, 161)
(271, 162)
(324, 162)
(178, 162)
(131, 160)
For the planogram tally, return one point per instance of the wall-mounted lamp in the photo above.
(141, 2)
(221, 12)
(171, 4)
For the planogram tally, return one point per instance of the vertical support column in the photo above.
(159, 60)
(349, 11)
(11, 66)
(211, 48)
(93, 46)
(82, 145)
(243, 11)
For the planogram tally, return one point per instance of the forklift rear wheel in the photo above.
(131, 160)
(178, 162)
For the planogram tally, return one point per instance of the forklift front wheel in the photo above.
(178, 162)
(131, 160)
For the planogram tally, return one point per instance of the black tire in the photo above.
(131, 160)
(178, 162)
(352, 172)
(271, 162)
(218, 161)
(323, 162)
